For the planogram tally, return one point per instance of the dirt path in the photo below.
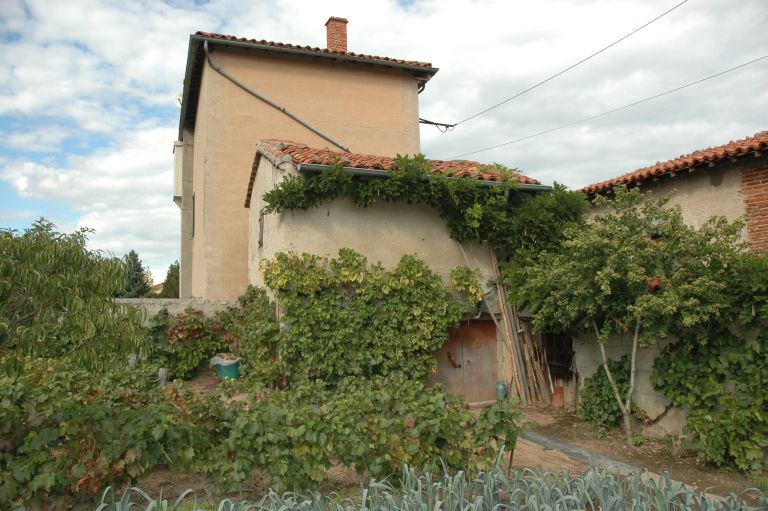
(654, 455)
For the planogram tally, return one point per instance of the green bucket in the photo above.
(229, 371)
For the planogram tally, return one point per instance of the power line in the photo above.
(613, 110)
(572, 66)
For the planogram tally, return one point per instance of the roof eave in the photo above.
(191, 54)
(422, 74)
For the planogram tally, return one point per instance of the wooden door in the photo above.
(466, 364)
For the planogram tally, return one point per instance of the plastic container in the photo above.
(501, 390)
(228, 370)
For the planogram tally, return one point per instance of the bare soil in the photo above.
(655, 455)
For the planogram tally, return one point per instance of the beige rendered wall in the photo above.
(371, 111)
(587, 360)
(701, 195)
(382, 233)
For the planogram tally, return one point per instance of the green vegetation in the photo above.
(52, 299)
(525, 490)
(597, 404)
(138, 280)
(637, 270)
(68, 430)
(375, 425)
(171, 283)
(81, 407)
(465, 281)
(344, 318)
(184, 341)
(718, 372)
(516, 224)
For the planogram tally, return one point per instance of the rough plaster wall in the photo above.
(587, 359)
(152, 306)
(199, 165)
(382, 233)
(265, 178)
(700, 195)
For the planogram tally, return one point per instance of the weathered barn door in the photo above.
(466, 364)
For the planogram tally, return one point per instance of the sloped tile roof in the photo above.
(286, 151)
(314, 49)
(687, 162)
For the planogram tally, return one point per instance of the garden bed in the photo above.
(656, 455)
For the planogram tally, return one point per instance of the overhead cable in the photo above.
(572, 66)
(441, 126)
(613, 110)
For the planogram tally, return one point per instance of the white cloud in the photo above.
(123, 192)
(9, 215)
(44, 139)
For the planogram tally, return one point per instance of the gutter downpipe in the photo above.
(267, 101)
(313, 168)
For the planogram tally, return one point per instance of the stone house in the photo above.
(237, 142)
(237, 91)
(730, 180)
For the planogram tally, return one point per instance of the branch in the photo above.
(605, 366)
(635, 340)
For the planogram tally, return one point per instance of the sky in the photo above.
(89, 109)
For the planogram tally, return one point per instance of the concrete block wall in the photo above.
(587, 359)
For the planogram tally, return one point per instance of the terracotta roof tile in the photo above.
(687, 162)
(278, 151)
(314, 49)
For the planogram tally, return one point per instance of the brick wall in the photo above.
(336, 31)
(754, 189)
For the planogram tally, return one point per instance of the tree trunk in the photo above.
(625, 405)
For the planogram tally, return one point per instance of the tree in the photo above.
(171, 284)
(55, 298)
(636, 270)
(138, 280)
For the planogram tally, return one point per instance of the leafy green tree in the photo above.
(138, 280)
(171, 284)
(55, 298)
(637, 270)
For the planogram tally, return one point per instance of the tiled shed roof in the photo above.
(286, 151)
(326, 51)
(687, 163)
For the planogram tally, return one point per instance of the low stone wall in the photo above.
(587, 359)
(152, 306)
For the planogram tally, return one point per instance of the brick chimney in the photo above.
(336, 30)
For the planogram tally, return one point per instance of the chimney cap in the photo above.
(336, 18)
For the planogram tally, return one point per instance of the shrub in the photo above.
(184, 341)
(345, 318)
(375, 425)
(71, 431)
(55, 298)
(597, 404)
(251, 331)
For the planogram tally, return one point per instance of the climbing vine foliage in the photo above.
(511, 222)
(719, 372)
(343, 317)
